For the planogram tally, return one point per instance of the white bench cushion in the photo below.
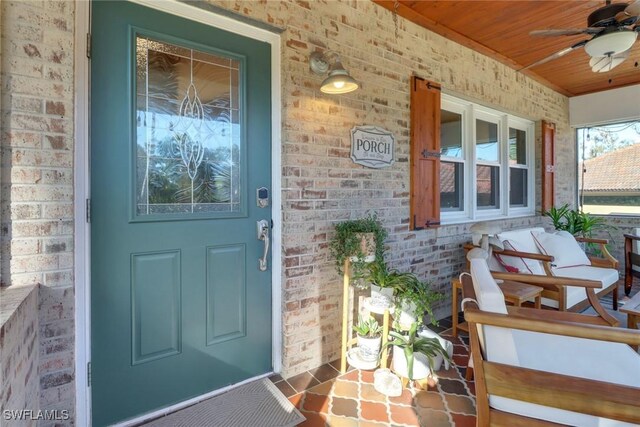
(606, 276)
(575, 357)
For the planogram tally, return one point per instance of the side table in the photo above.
(514, 293)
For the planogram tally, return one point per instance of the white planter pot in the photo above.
(381, 297)
(407, 315)
(420, 364)
(369, 348)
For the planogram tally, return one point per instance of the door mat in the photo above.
(258, 403)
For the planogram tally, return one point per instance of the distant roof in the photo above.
(615, 171)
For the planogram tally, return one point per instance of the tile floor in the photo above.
(327, 398)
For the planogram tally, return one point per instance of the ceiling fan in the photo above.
(614, 29)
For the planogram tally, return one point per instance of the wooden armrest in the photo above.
(603, 262)
(529, 255)
(631, 236)
(535, 279)
(559, 316)
(578, 330)
(592, 240)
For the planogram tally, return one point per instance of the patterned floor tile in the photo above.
(368, 392)
(351, 400)
(432, 418)
(374, 412)
(344, 407)
(406, 398)
(346, 389)
(403, 415)
(324, 389)
(460, 404)
(452, 386)
(429, 400)
(463, 420)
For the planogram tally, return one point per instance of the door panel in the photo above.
(226, 293)
(180, 141)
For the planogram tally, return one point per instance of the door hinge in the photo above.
(88, 209)
(89, 374)
(88, 45)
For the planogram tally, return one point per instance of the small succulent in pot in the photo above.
(369, 336)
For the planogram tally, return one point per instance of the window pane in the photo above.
(188, 130)
(486, 141)
(451, 134)
(451, 186)
(609, 176)
(517, 147)
(488, 183)
(518, 187)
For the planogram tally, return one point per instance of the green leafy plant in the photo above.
(346, 243)
(368, 328)
(574, 221)
(412, 343)
(412, 290)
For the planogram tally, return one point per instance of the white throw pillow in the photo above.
(563, 247)
(515, 264)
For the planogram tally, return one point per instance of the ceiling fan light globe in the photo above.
(611, 43)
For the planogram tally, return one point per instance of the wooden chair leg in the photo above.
(615, 298)
(468, 375)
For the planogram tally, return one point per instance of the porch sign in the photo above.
(372, 147)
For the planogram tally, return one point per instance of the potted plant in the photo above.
(413, 300)
(361, 241)
(578, 223)
(369, 334)
(383, 283)
(574, 221)
(416, 355)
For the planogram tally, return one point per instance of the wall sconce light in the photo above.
(339, 80)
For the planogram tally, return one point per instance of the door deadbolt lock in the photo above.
(262, 197)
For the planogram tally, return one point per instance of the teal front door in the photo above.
(180, 178)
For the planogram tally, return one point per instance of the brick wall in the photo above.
(321, 186)
(19, 353)
(37, 177)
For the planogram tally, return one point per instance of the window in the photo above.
(608, 172)
(486, 168)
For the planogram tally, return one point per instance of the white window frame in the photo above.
(471, 111)
(463, 109)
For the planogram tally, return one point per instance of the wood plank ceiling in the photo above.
(500, 29)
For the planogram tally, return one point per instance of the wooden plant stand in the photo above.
(348, 340)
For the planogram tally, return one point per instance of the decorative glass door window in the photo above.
(188, 142)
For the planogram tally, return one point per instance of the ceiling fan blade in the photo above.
(633, 9)
(630, 14)
(602, 64)
(565, 32)
(556, 55)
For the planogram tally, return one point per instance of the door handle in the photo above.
(263, 234)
